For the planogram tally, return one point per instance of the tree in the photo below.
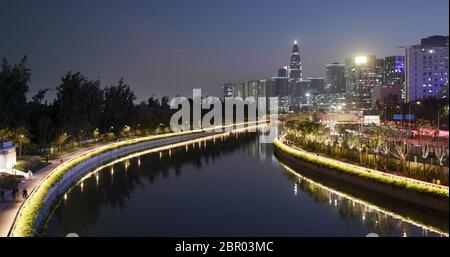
(400, 151)
(425, 151)
(21, 138)
(14, 81)
(376, 140)
(60, 140)
(118, 107)
(385, 150)
(6, 134)
(441, 154)
(41, 120)
(79, 103)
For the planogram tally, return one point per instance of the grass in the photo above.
(25, 220)
(360, 172)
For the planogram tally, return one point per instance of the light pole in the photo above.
(401, 120)
(409, 114)
(438, 128)
(20, 146)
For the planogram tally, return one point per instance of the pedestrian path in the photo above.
(10, 207)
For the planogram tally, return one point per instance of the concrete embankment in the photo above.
(35, 210)
(412, 192)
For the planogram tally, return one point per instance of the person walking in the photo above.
(13, 194)
(24, 193)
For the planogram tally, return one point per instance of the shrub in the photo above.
(396, 182)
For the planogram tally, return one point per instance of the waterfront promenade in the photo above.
(9, 208)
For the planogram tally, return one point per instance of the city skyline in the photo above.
(183, 122)
(157, 52)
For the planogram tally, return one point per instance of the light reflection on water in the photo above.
(238, 188)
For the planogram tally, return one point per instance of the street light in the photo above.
(409, 113)
(20, 146)
(438, 128)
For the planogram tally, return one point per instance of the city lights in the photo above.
(361, 59)
(210, 120)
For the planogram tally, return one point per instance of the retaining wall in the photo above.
(78, 171)
(412, 197)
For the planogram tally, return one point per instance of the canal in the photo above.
(227, 186)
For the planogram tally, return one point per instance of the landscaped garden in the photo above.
(376, 147)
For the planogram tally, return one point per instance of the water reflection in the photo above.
(378, 220)
(228, 185)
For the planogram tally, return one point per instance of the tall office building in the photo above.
(426, 68)
(379, 71)
(299, 90)
(317, 84)
(434, 41)
(295, 65)
(335, 77)
(394, 73)
(283, 72)
(362, 73)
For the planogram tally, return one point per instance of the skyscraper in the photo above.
(335, 77)
(362, 73)
(426, 68)
(434, 41)
(317, 84)
(295, 65)
(394, 72)
(283, 72)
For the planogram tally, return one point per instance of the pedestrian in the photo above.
(24, 194)
(13, 194)
(2, 195)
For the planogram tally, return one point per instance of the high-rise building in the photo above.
(434, 41)
(234, 90)
(298, 90)
(386, 94)
(328, 101)
(362, 73)
(317, 84)
(228, 90)
(295, 65)
(335, 77)
(394, 73)
(283, 72)
(379, 71)
(426, 68)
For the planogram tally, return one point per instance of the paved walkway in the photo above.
(9, 208)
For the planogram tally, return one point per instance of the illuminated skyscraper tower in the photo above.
(295, 66)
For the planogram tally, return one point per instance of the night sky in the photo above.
(169, 47)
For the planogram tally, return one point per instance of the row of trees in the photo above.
(430, 109)
(374, 148)
(82, 109)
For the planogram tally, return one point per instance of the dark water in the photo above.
(224, 187)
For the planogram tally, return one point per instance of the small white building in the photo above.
(7, 156)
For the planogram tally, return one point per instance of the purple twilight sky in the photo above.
(168, 47)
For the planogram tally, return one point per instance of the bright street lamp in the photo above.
(20, 146)
(409, 113)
